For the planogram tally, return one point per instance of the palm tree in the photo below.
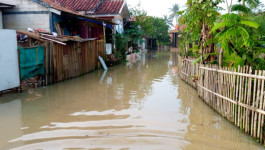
(174, 12)
(246, 6)
(168, 20)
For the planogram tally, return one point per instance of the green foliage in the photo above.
(198, 19)
(148, 26)
(240, 40)
(241, 35)
(250, 24)
(205, 56)
(121, 46)
(240, 8)
(250, 3)
(232, 59)
(134, 34)
(259, 18)
(168, 20)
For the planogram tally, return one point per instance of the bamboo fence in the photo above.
(189, 72)
(237, 94)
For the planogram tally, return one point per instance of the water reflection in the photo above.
(139, 105)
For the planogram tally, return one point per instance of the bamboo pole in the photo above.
(248, 102)
(256, 105)
(260, 106)
(253, 105)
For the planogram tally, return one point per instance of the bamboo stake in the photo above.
(229, 81)
(256, 105)
(239, 98)
(243, 100)
(260, 106)
(253, 105)
(248, 101)
(233, 95)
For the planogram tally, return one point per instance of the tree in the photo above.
(149, 26)
(174, 12)
(168, 20)
(236, 35)
(199, 18)
(246, 6)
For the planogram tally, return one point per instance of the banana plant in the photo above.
(237, 38)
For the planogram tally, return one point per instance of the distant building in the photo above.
(174, 35)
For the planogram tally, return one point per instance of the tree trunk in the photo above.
(220, 57)
(151, 43)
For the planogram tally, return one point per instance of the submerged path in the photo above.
(139, 105)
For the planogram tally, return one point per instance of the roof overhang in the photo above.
(173, 31)
(57, 9)
(6, 6)
(106, 15)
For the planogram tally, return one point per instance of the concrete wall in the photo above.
(1, 20)
(26, 14)
(9, 69)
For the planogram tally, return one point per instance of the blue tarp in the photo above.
(93, 21)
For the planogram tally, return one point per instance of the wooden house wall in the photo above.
(73, 59)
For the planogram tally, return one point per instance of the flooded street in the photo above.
(138, 105)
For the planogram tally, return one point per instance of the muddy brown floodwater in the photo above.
(139, 105)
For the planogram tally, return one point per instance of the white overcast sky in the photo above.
(161, 7)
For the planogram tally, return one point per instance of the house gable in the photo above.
(109, 7)
(26, 14)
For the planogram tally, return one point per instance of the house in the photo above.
(112, 10)
(76, 49)
(44, 15)
(2, 7)
(174, 36)
(84, 18)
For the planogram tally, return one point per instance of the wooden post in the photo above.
(20, 87)
(104, 31)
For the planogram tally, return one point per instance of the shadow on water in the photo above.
(138, 105)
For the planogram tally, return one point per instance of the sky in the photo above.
(161, 7)
(157, 7)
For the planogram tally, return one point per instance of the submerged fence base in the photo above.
(237, 94)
